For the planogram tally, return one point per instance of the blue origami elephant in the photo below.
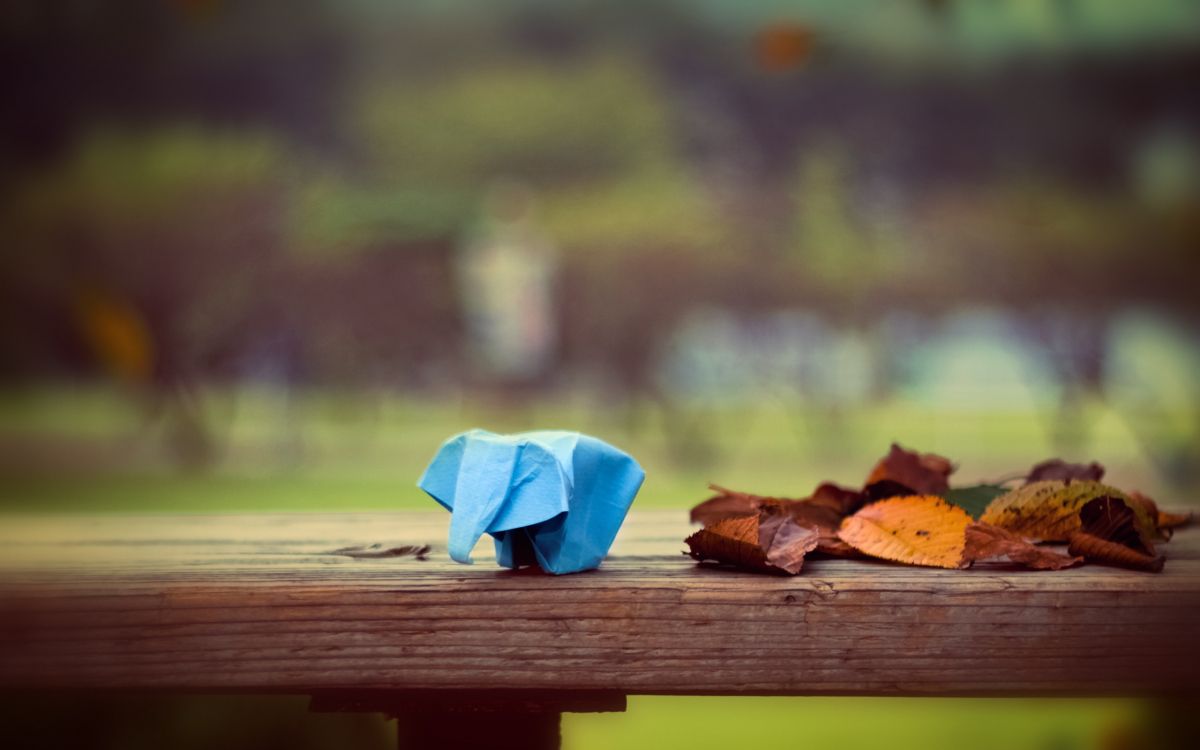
(552, 498)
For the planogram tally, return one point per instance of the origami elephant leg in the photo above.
(479, 494)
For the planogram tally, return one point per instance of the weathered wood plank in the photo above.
(259, 602)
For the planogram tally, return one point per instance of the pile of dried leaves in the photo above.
(907, 512)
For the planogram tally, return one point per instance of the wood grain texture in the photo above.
(258, 603)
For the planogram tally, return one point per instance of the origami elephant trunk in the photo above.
(480, 494)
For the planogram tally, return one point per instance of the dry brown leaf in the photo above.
(1110, 533)
(769, 541)
(1094, 549)
(1059, 470)
(984, 541)
(924, 473)
(841, 499)
(918, 530)
(885, 488)
(726, 504)
(1049, 510)
(821, 512)
(833, 546)
(1163, 522)
(825, 521)
(785, 542)
(1116, 520)
(732, 541)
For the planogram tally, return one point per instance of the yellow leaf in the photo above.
(1049, 510)
(918, 530)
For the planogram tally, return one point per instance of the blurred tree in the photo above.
(164, 244)
(592, 139)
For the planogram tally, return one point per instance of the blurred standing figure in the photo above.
(506, 276)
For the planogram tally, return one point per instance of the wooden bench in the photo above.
(272, 603)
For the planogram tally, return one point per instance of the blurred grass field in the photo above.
(93, 449)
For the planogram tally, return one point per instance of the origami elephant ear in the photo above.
(493, 484)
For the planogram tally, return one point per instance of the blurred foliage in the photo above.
(333, 217)
(174, 224)
(580, 121)
(660, 207)
(285, 196)
(592, 138)
(979, 33)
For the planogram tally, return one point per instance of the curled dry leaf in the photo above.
(732, 541)
(768, 541)
(924, 473)
(1110, 533)
(1049, 510)
(984, 541)
(1059, 470)
(918, 530)
(1094, 549)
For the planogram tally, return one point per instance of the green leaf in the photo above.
(974, 498)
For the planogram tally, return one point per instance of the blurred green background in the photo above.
(265, 255)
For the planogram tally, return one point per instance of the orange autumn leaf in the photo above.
(918, 530)
(923, 473)
(1169, 521)
(984, 541)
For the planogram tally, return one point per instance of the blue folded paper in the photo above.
(552, 498)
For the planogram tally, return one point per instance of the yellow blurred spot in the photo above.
(783, 46)
(117, 335)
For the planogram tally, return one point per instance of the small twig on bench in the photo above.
(378, 550)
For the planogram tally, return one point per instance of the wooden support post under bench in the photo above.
(499, 719)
